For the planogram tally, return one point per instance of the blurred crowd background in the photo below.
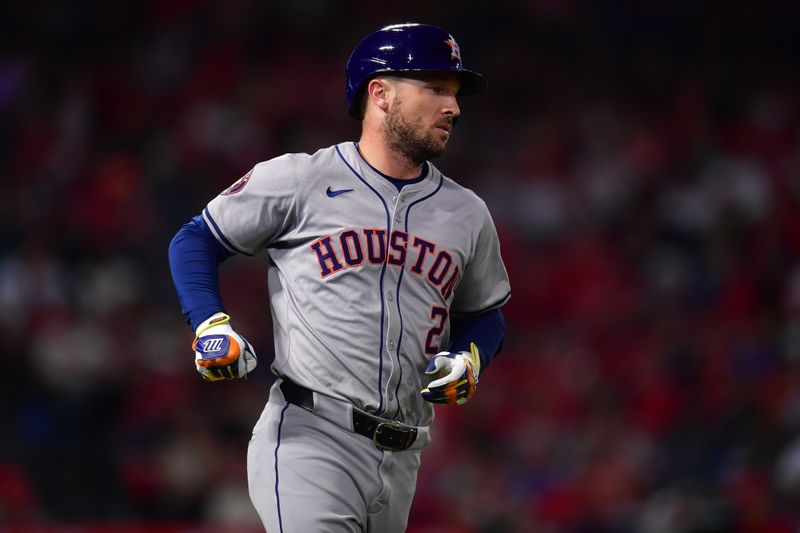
(641, 160)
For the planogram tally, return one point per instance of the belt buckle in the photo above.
(394, 436)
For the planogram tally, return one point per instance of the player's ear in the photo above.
(379, 93)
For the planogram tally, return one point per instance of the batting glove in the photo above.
(459, 371)
(221, 353)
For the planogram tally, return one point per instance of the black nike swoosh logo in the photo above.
(331, 193)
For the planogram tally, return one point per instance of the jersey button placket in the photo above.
(394, 314)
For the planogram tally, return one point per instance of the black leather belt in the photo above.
(386, 434)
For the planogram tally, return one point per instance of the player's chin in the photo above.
(432, 145)
(439, 141)
(437, 149)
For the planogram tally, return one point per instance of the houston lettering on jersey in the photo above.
(354, 247)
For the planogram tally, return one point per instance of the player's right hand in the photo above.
(221, 353)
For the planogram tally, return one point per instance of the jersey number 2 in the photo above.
(439, 313)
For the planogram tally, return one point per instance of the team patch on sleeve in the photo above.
(238, 186)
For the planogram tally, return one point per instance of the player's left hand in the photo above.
(220, 352)
(459, 371)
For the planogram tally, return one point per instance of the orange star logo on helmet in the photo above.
(455, 51)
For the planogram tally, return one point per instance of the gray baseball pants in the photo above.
(308, 472)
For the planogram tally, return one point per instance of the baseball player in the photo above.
(385, 284)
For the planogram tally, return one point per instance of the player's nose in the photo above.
(451, 107)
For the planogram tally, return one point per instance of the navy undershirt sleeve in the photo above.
(486, 330)
(194, 258)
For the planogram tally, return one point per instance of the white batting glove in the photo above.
(221, 353)
(459, 373)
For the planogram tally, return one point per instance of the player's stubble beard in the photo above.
(410, 140)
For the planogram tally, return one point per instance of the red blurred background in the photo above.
(642, 163)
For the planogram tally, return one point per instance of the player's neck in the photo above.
(387, 161)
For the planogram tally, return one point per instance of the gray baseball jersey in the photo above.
(362, 279)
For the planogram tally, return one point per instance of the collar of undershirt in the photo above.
(397, 182)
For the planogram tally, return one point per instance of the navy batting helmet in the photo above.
(406, 48)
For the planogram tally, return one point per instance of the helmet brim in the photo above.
(471, 82)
